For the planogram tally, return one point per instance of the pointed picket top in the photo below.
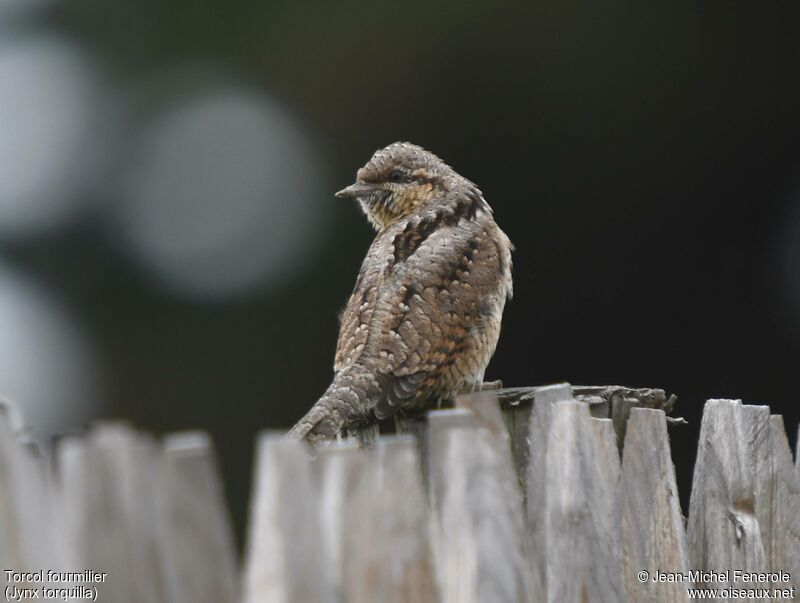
(797, 456)
(479, 540)
(653, 536)
(545, 400)
(723, 529)
(584, 559)
(195, 534)
(26, 513)
(284, 560)
(778, 503)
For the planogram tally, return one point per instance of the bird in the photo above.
(424, 317)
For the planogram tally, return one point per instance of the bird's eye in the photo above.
(396, 176)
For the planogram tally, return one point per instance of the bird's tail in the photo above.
(342, 403)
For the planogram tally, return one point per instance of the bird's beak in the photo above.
(359, 189)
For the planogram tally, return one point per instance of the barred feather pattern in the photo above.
(424, 317)
(338, 407)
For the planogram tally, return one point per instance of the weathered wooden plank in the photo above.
(486, 409)
(480, 543)
(481, 539)
(594, 395)
(511, 425)
(26, 526)
(284, 561)
(406, 561)
(797, 455)
(621, 406)
(723, 530)
(348, 480)
(108, 509)
(653, 537)
(518, 422)
(439, 421)
(778, 503)
(606, 443)
(456, 543)
(604, 401)
(610, 466)
(374, 523)
(537, 483)
(583, 552)
(381, 524)
(759, 435)
(195, 534)
(488, 416)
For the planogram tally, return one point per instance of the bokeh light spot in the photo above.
(48, 104)
(46, 366)
(222, 193)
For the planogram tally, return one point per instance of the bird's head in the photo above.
(397, 181)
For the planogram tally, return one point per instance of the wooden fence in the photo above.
(526, 500)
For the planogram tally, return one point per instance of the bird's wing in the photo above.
(416, 314)
(451, 289)
(356, 317)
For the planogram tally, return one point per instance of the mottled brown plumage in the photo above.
(423, 320)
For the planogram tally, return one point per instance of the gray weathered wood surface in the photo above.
(653, 536)
(584, 560)
(198, 547)
(284, 555)
(26, 522)
(778, 504)
(107, 491)
(547, 494)
(536, 471)
(401, 555)
(724, 533)
(480, 538)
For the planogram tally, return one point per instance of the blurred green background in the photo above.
(171, 251)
